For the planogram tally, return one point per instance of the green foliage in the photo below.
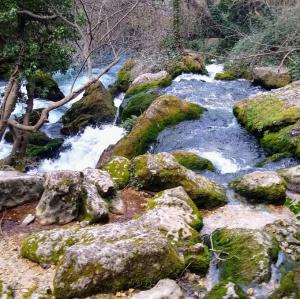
(129, 123)
(294, 206)
(294, 66)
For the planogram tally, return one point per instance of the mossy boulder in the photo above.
(38, 148)
(124, 78)
(94, 108)
(271, 77)
(238, 70)
(153, 86)
(226, 76)
(273, 117)
(46, 87)
(226, 289)
(119, 169)
(137, 104)
(249, 255)
(289, 285)
(262, 187)
(188, 62)
(163, 112)
(161, 171)
(192, 161)
(117, 256)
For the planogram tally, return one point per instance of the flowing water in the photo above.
(216, 136)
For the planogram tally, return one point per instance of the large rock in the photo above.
(249, 255)
(96, 185)
(17, 188)
(95, 107)
(261, 186)
(274, 117)
(164, 289)
(117, 256)
(149, 77)
(165, 111)
(272, 77)
(46, 87)
(161, 171)
(59, 203)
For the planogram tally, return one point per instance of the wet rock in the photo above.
(164, 289)
(292, 176)
(165, 111)
(161, 171)
(189, 62)
(119, 169)
(149, 77)
(261, 186)
(192, 161)
(272, 77)
(6, 291)
(112, 257)
(273, 116)
(248, 255)
(95, 107)
(17, 188)
(227, 290)
(46, 87)
(289, 285)
(60, 200)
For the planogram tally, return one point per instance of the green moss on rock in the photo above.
(137, 105)
(119, 169)
(249, 254)
(144, 87)
(163, 112)
(261, 186)
(124, 78)
(95, 107)
(192, 161)
(224, 289)
(227, 76)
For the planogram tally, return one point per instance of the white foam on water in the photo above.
(85, 149)
(5, 149)
(212, 69)
(224, 165)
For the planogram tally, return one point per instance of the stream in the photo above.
(216, 136)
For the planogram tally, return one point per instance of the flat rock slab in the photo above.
(17, 188)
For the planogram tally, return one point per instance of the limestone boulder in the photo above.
(17, 188)
(163, 112)
(60, 201)
(249, 255)
(161, 171)
(94, 108)
(149, 77)
(292, 177)
(262, 187)
(272, 77)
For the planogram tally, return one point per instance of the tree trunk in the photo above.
(9, 101)
(21, 137)
(177, 23)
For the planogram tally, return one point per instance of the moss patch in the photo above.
(119, 169)
(220, 290)
(192, 161)
(44, 151)
(163, 112)
(227, 76)
(249, 255)
(137, 105)
(123, 78)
